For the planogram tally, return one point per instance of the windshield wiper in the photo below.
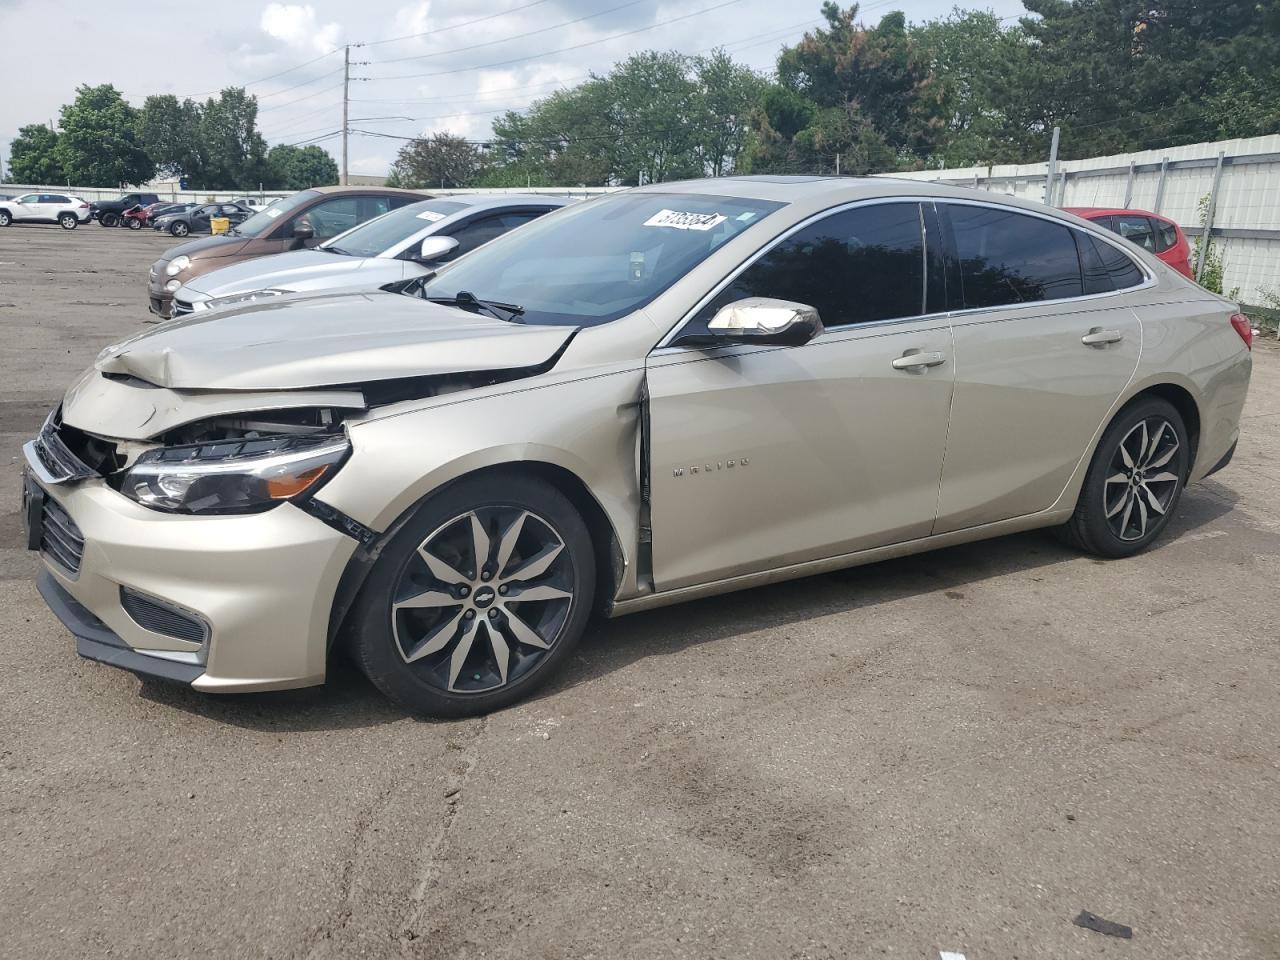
(337, 250)
(466, 298)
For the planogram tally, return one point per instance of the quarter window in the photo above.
(1137, 230)
(1007, 258)
(1166, 235)
(857, 266)
(1109, 262)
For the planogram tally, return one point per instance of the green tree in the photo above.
(33, 156)
(726, 98)
(440, 160)
(169, 130)
(1121, 75)
(98, 145)
(987, 71)
(875, 99)
(232, 152)
(296, 168)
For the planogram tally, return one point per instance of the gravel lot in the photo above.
(959, 751)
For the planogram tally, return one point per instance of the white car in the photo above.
(67, 211)
(256, 204)
(400, 245)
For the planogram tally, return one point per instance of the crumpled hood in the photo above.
(284, 271)
(330, 340)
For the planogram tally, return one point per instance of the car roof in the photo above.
(1089, 212)
(481, 200)
(377, 191)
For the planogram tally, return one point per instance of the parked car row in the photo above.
(656, 395)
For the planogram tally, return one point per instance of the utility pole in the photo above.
(1053, 167)
(837, 164)
(346, 97)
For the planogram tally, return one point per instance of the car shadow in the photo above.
(348, 700)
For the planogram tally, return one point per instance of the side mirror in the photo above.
(302, 232)
(764, 320)
(436, 248)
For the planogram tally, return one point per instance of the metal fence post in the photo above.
(1206, 236)
(1164, 171)
(1053, 167)
(1128, 187)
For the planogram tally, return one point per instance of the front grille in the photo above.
(182, 307)
(60, 539)
(160, 617)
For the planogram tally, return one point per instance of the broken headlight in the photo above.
(251, 296)
(234, 476)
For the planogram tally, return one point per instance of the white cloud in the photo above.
(297, 26)
(412, 19)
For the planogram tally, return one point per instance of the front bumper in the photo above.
(263, 583)
(159, 300)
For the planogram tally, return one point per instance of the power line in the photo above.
(521, 36)
(254, 83)
(455, 26)
(289, 103)
(576, 46)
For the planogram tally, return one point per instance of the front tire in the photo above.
(1134, 482)
(68, 221)
(178, 229)
(477, 599)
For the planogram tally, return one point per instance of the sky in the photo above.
(423, 66)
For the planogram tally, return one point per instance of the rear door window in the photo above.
(1008, 257)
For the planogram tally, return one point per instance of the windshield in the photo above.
(381, 234)
(598, 261)
(264, 220)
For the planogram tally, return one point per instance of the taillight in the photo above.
(84, 206)
(1244, 328)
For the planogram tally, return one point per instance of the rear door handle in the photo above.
(913, 361)
(1097, 337)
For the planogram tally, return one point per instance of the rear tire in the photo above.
(5, 218)
(68, 221)
(1134, 482)
(135, 223)
(109, 219)
(438, 626)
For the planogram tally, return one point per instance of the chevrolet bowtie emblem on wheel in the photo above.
(711, 467)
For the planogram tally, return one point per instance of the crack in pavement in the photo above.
(430, 859)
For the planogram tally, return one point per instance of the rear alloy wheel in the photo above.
(5, 218)
(135, 223)
(179, 228)
(68, 221)
(1134, 482)
(477, 598)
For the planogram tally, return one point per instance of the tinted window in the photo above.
(264, 220)
(1166, 235)
(856, 267)
(600, 260)
(1010, 257)
(476, 232)
(1137, 230)
(377, 236)
(1118, 265)
(332, 217)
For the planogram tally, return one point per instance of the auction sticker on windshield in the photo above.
(430, 215)
(685, 221)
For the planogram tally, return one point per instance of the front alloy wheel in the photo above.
(477, 598)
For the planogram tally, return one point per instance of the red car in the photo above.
(1150, 231)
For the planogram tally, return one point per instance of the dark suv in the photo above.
(107, 212)
(299, 221)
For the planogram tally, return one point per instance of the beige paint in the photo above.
(848, 459)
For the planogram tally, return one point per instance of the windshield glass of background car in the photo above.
(598, 261)
(264, 220)
(378, 236)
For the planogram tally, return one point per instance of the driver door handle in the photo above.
(914, 361)
(1097, 337)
